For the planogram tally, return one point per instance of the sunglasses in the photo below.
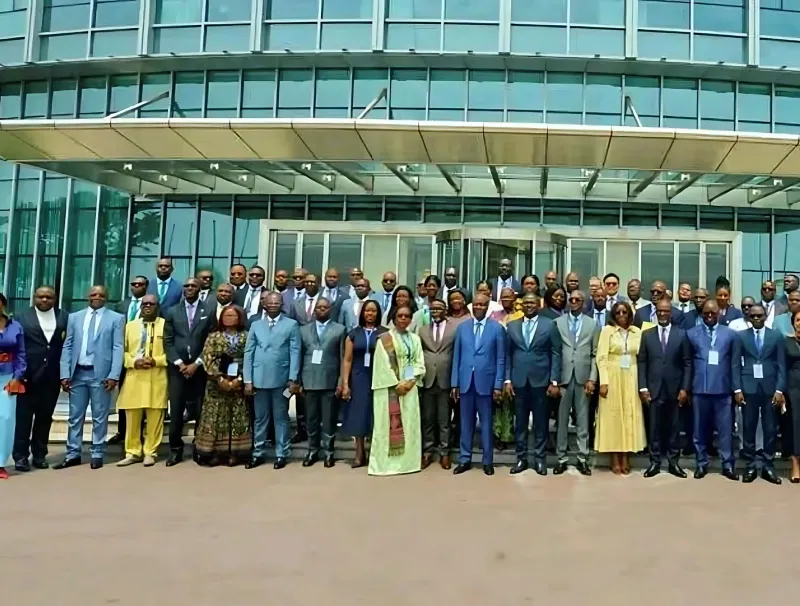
(767, 288)
(149, 304)
(656, 292)
(137, 283)
(575, 300)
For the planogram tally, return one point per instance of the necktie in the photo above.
(272, 323)
(331, 295)
(598, 317)
(573, 328)
(190, 314)
(203, 295)
(320, 330)
(663, 340)
(759, 342)
(528, 326)
(90, 336)
(478, 332)
(309, 306)
(133, 310)
(249, 298)
(387, 297)
(436, 336)
(162, 291)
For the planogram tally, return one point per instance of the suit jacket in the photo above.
(342, 295)
(123, 308)
(731, 314)
(483, 368)
(467, 294)
(536, 365)
(43, 356)
(438, 355)
(690, 319)
(772, 359)
(323, 376)
(783, 324)
(578, 359)
(605, 314)
(710, 379)
(172, 297)
(299, 311)
(272, 355)
(381, 299)
(184, 343)
(240, 297)
(643, 314)
(108, 348)
(347, 315)
(548, 313)
(514, 284)
(671, 369)
(287, 302)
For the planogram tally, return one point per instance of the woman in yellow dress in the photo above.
(620, 423)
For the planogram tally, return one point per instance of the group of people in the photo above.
(407, 373)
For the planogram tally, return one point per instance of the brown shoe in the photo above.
(426, 461)
(445, 462)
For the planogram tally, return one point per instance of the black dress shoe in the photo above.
(676, 470)
(96, 463)
(730, 474)
(329, 462)
(583, 468)
(770, 476)
(461, 468)
(488, 470)
(310, 460)
(280, 463)
(700, 473)
(300, 436)
(117, 438)
(540, 468)
(22, 465)
(40, 464)
(67, 463)
(255, 462)
(794, 480)
(174, 459)
(559, 468)
(521, 466)
(749, 475)
(653, 470)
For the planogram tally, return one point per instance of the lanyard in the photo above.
(624, 334)
(368, 334)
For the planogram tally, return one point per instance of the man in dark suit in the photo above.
(304, 306)
(479, 369)
(772, 307)
(665, 374)
(237, 276)
(504, 279)
(334, 293)
(206, 277)
(649, 313)
(451, 283)
(598, 309)
(694, 317)
(791, 283)
(533, 371)
(762, 380)
(44, 329)
(437, 340)
(249, 297)
(717, 352)
(167, 288)
(213, 306)
(185, 335)
(611, 286)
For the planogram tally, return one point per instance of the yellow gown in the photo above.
(620, 421)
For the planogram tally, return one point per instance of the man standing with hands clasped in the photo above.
(760, 381)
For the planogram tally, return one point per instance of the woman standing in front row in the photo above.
(399, 367)
(791, 443)
(620, 421)
(13, 363)
(359, 352)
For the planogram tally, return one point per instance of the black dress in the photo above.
(793, 401)
(358, 411)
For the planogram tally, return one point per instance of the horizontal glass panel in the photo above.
(258, 89)
(564, 92)
(333, 88)
(591, 42)
(476, 38)
(12, 51)
(179, 11)
(548, 11)
(525, 90)
(347, 9)
(665, 14)
(472, 10)
(777, 53)
(658, 45)
(63, 98)
(290, 36)
(532, 39)
(597, 12)
(228, 10)
(292, 9)
(680, 97)
(12, 22)
(223, 90)
(783, 23)
(346, 36)
(415, 9)
(409, 88)
(417, 36)
(114, 13)
(294, 90)
(720, 48)
(754, 102)
(115, 43)
(486, 89)
(717, 17)
(176, 40)
(603, 94)
(59, 16)
(124, 92)
(448, 89)
(231, 38)
(35, 102)
(65, 46)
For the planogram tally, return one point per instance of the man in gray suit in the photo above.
(579, 334)
(437, 346)
(305, 304)
(322, 344)
(271, 369)
(333, 292)
(351, 307)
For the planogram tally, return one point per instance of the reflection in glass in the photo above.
(720, 15)
(188, 96)
(35, 103)
(380, 255)
(415, 9)
(716, 264)
(13, 14)
(419, 36)
(587, 259)
(565, 92)
(65, 15)
(720, 48)
(346, 36)
(285, 251)
(116, 13)
(472, 10)
(63, 47)
(294, 90)
(152, 86)
(590, 42)
(115, 43)
(176, 40)
(92, 98)
(293, 36)
(258, 92)
(246, 232)
(231, 38)
(689, 263)
(416, 256)
(112, 241)
(292, 9)
(532, 39)
(63, 98)
(657, 264)
(179, 11)
(12, 51)
(179, 229)
(623, 259)
(344, 253)
(550, 11)
(228, 10)
(312, 253)
(409, 89)
(476, 38)
(597, 12)
(669, 14)
(347, 9)
(657, 45)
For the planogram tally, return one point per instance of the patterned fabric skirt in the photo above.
(503, 419)
(224, 426)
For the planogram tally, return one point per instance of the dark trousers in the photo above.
(184, 394)
(300, 413)
(436, 420)
(321, 415)
(755, 405)
(471, 404)
(664, 428)
(531, 400)
(713, 411)
(686, 422)
(35, 410)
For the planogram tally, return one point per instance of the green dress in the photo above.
(396, 435)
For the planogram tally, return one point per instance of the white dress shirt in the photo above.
(611, 301)
(332, 294)
(437, 330)
(685, 306)
(204, 295)
(501, 284)
(47, 322)
(312, 301)
(85, 359)
(769, 308)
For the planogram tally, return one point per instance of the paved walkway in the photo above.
(190, 536)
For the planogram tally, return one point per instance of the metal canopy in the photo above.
(390, 157)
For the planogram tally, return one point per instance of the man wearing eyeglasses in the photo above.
(389, 283)
(648, 313)
(772, 307)
(250, 298)
(611, 285)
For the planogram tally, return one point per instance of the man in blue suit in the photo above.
(694, 317)
(351, 307)
(91, 363)
(479, 369)
(762, 380)
(648, 313)
(271, 367)
(716, 351)
(533, 370)
(165, 287)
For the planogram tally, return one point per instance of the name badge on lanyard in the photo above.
(367, 355)
(316, 356)
(625, 359)
(713, 358)
(758, 371)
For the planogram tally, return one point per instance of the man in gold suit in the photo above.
(144, 392)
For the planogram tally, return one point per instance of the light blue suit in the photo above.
(271, 360)
(783, 324)
(87, 387)
(347, 314)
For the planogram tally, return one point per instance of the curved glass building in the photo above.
(653, 138)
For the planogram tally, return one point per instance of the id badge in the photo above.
(625, 361)
(367, 360)
(233, 369)
(408, 373)
(713, 358)
(287, 394)
(316, 356)
(758, 371)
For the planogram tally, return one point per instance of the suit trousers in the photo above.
(270, 405)
(122, 418)
(87, 391)
(573, 398)
(184, 394)
(300, 413)
(664, 419)
(321, 416)
(531, 400)
(759, 406)
(35, 410)
(713, 410)
(436, 421)
(154, 431)
(471, 404)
